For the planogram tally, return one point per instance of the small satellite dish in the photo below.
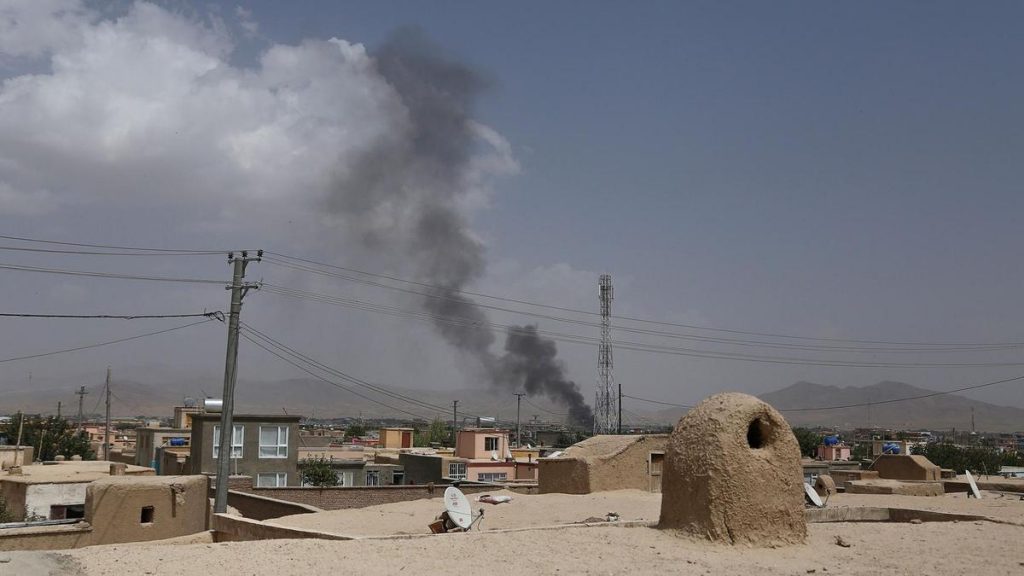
(974, 485)
(494, 454)
(458, 507)
(813, 496)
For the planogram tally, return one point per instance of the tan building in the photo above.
(118, 509)
(605, 463)
(183, 416)
(15, 456)
(55, 491)
(395, 438)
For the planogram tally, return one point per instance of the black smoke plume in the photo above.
(417, 175)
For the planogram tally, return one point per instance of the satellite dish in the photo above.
(974, 485)
(494, 454)
(457, 505)
(813, 496)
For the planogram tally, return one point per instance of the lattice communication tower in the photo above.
(606, 405)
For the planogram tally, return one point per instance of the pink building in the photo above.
(487, 457)
(835, 452)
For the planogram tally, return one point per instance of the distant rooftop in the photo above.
(68, 472)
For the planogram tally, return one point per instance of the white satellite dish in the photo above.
(494, 454)
(813, 496)
(974, 485)
(457, 505)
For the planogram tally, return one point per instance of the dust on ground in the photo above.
(937, 548)
(523, 511)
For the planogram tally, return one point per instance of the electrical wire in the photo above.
(619, 345)
(657, 401)
(94, 274)
(856, 405)
(112, 247)
(309, 361)
(447, 290)
(216, 315)
(107, 343)
(266, 348)
(100, 253)
(452, 296)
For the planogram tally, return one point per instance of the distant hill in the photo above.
(308, 397)
(938, 412)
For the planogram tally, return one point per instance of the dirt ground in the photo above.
(523, 511)
(938, 548)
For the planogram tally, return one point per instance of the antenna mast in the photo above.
(606, 410)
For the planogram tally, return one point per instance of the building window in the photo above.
(344, 478)
(398, 478)
(373, 477)
(273, 441)
(491, 443)
(457, 470)
(272, 480)
(492, 477)
(146, 516)
(237, 438)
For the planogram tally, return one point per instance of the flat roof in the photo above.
(215, 416)
(67, 472)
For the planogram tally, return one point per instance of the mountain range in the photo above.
(874, 404)
(881, 405)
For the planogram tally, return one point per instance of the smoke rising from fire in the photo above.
(405, 191)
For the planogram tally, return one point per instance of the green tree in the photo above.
(436, 432)
(318, 472)
(50, 436)
(355, 430)
(974, 458)
(808, 440)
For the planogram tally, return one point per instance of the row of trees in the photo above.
(974, 458)
(49, 436)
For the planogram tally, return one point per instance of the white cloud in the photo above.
(34, 28)
(246, 21)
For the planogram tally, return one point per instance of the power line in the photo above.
(920, 397)
(112, 247)
(857, 405)
(101, 253)
(624, 345)
(300, 358)
(657, 401)
(118, 341)
(94, 274)
(216, 315)
(447, 290)
(338, 373)
(245, 335)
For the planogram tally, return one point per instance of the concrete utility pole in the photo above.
(519, 438)
(106, 422)
(455, 422)
(81, 398)
(58, 409)
(238, 291)
(619, 427)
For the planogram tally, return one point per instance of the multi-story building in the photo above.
(264, 446)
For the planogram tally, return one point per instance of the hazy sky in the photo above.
(828, 170)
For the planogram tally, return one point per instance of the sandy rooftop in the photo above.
(940, 548)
